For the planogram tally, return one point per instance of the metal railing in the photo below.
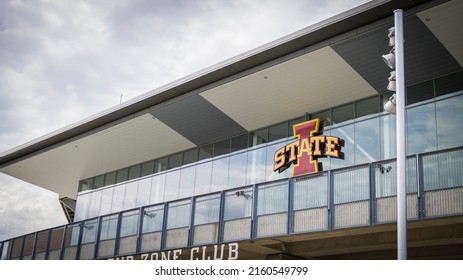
(353, 196)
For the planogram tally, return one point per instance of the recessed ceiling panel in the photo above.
(309, 83)
(134, 141)
(446, 23)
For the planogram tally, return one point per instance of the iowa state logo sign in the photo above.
(308, 147)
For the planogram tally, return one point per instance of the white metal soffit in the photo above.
(445, 22)
(134, 141)
(311, 82)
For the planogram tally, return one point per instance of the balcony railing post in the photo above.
(221, 217)
(330, 199)
(290, 206)
(419, 178)
(372, 183)
(254, 212)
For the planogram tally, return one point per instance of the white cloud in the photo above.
(62, 61)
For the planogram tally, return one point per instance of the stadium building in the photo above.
(284, 152)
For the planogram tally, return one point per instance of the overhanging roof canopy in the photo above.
(328, 64)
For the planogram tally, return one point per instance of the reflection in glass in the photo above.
(129, 223)
(272, 198)
(220, 174)
(157, 188)
(144, 191)
(351, 185)
(118, 198)
(443, 170)
(311, 192)
(172, 184)
(343, 114)
(367, 141)
(203, 178)
(238, 204)
(388, 138)
(130, 199)
(178, 214)
(82, 202)
(256, 166)
(153, 218)
(207, 209)
(237, 172)
(449, 122)
(94, 204)
(187, 181)
(89, 231)
(421, 129)
(347, 134)
(108, 227)
(106, 201)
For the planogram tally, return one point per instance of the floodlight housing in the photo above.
(390, 105)
(391, 36)
(389, 59)
(391, 84)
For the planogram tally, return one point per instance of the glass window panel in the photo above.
(239, 143)
(56, 238)
(175, 160)
(421, 129)
(367, 107)
(94, 206)
(443, 170)
(135, 171)
(367, 141)
(343, 114)
(272, 198)
(388, 138)
(99, 182)
(311, 192)
(258, 137)
(203, 178)
(130, 199)
(222, 147)
(85, 185)
(206, 152)
(72, 234)
(172, 184)
(42, 241)
(28, 244)
(347, 134)
(207, 210)
(449, 84)
(89, 231)
(256, 166)
(108, 227)
(190, 156)
(237, 171)
(325, 119)
(144, 192)
(219, 180)
(147, 168)
(81, 213)
(178, 214)
(118, 198)
(449, 122)
(271, 175)
(187, 181)
(386, 177)
(157, 188)
(106, 201)
(161, 165)
(278, 131)
(129, 223)
(110, 178)
(420, 92)
(122, 175)
(294, 122)
(238, 204)
(153, 218)
(351, 185)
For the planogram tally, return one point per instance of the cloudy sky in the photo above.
(63, 61)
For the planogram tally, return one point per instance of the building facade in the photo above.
(206, 167)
